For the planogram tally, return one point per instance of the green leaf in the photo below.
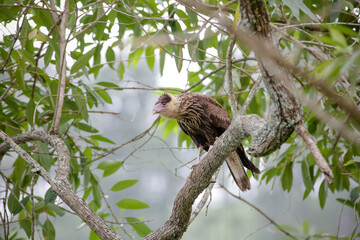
(19, 207)
(82, 61)
(110, 56)
(108, 85)
(86, 128)
(48, 230)
(26, 225)
(93, 236)
(110, 167)
(296, 6)
(44, 157)
(28, 57)
(105, 96)
(140, 228)
(48, 55)
(135, 57)
(305, 172)
(349, 162)
(338, 37)
(102, 138)
(171, 126)
(121, 70)
(123, 185)
(50, 196)
(56, 209)
(150, 57)
(81, 103)
(30, 112)
(128, 203)
(323, 193)
(287, 177)
(97, 195)
(162, 61)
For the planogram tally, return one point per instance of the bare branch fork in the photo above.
(59, 184)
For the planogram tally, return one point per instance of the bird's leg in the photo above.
(199, 154)
(198, 157)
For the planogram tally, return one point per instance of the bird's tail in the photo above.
(238, 172)
(245, 160)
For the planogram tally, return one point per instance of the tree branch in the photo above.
(228, 78)
(62, 75)
(320, 160)
(60, 184)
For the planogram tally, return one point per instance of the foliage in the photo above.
(30, 60)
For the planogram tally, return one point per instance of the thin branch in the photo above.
(320, 160)
(215, 71)
(251, 95)
(141, 135)
(2, 97)
(259, 211)
(16, 36)
(94, 22)
(228, 78)
(204, 198)
(62, 76)
(30, 7)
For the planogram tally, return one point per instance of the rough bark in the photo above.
(60, 184)
(200, 177)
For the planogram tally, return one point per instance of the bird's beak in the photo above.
(158, 108)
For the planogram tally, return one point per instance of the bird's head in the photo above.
(167, 106)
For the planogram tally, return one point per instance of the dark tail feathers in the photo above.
(245, 160)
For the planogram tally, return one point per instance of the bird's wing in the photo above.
(238, 172)
(216, 114)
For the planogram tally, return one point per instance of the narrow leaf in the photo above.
(123, 185)
(140, 228)
(48, 230)
(323, 193)
(128, 203)
(82, 61)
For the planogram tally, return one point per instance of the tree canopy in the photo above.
(286, 71)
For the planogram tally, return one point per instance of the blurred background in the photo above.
(161, 168)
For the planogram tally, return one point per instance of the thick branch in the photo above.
(60, 184)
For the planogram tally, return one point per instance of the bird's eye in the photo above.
(163, 103)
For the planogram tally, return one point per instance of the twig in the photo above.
(251, 95)
(320, 160)
(94, 22)
(141, 135)
(62, 76)
(16, 36)
(31, 7)
(228, 77)
(259, 211)
(32, 207)
(204, 198)
(2, 97)
(215, 71)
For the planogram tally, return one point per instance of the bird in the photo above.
(204, 119)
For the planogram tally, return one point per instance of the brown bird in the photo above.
(204, 119)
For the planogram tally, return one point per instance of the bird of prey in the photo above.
(204, 119)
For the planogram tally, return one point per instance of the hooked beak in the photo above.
(158, 108)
